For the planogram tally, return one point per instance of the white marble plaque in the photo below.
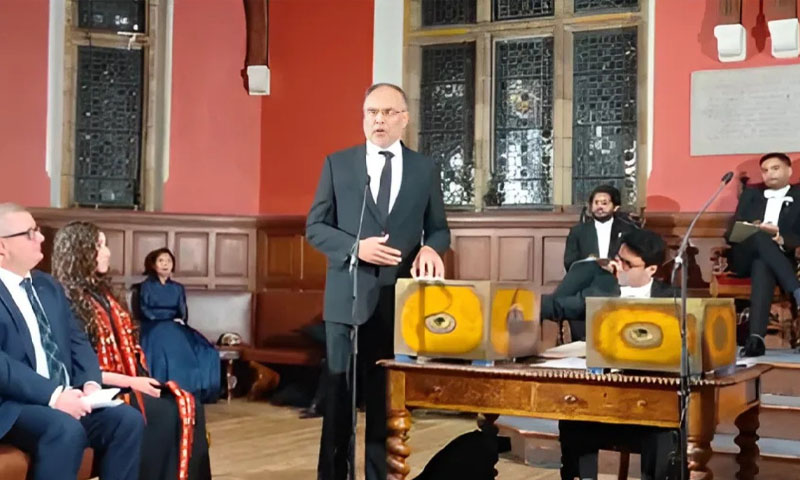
(746, 110)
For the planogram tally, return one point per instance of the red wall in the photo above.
(23, 101)
(216, 126)
(321, 63)
(685, 43)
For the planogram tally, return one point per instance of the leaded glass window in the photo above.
(114, 15)
(604, 130)
(108, 126)
(447, 117)
(515, 9)
(522, 172)
(448, 12)
(593, 6)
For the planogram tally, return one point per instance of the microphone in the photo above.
(684, 390)
(727, 178)
(354, 248)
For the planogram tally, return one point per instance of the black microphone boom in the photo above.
(683, 394)
(354, 336)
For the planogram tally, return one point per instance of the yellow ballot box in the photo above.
(644, 334)
(470, 320)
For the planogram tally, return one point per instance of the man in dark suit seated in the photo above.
(629, 275)
(767, 256)
(47, 365)
(600, 237)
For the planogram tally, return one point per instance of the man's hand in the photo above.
(90, 387)
(146, 385)
(427, 264)
(374, 250)
(770, 228)
(69, 402)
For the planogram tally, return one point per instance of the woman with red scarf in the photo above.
(174, 445)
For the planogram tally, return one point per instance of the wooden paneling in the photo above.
(553, 252)
(211, 252)
(515, 259)
(191, 254)
(232, 255)
(473, 256)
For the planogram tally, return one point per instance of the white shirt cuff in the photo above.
(92, 382)
(55, 395)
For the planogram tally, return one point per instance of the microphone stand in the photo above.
(354, 339)
(683, 393)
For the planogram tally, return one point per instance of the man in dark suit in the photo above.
(767, 256)
(47, 366)
(600, 237)
(403, 231)
(629, 275)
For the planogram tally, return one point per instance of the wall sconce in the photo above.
(784, 28)
(256, 73)
(730, 33)
(731, 42)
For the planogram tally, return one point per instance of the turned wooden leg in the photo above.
(747, 458)
(699, 455)
(397, 450)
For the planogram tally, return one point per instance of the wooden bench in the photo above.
(14, 463)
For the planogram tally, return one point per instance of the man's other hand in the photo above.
(374, 250)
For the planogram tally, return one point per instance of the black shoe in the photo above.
(754, 347)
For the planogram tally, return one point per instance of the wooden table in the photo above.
(524, 390)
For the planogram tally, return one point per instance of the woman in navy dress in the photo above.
(174, 351)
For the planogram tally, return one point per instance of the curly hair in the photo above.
(75, 267)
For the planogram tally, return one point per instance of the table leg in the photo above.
(702, 424)
(230, 379)
(747, 458)
(397, 449)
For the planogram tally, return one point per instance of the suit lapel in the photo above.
(19, 322)
(360, 167)
(591, 238)
(794, 193)
(405, 196)
(614, 241)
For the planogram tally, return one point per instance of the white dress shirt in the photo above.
(636, 292)
(603, 236)
(375, 163)
(775, 199)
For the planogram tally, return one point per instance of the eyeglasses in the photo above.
(627, 265)
(30, 233)
(387, 112)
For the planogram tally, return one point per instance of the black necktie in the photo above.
(386, 184)
(57, 370)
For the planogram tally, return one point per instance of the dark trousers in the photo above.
(375, 343)
(568, 300)
(761, 259)
(56, 441)
(580, 442)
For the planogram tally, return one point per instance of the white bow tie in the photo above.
(776, 194)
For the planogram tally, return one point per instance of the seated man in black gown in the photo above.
(630, 275)
(767, 256)
(599, 237)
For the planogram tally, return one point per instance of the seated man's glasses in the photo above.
(387, 112)
(30, 233)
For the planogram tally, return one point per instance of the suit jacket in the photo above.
(417, 217)
(582, 241)
(752, 205)
(19, 382)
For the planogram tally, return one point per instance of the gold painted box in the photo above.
(470, 320)
(644, 334)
